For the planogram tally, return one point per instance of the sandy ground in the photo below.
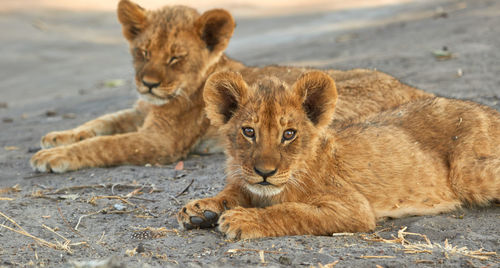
(61, 68)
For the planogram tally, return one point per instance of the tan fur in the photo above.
(424, 157)
(174, 50)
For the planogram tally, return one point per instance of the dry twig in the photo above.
(185, 189)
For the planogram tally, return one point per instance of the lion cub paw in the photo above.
(58, 138)
(202, 213)
(53, 160)
(243, 223)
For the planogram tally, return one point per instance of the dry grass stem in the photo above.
(86, 215)
(261, 256)
(66, 221)
(175, 199)
(101, 239)
(428, 246)
(111, 186)
(377, 257)
(235, 250)
(57, 246)
(151, 232)
(143, 199)
(93, 199)
(7, 190)
(328, 265)
(343, 234)
(424, 261)
(53, 231)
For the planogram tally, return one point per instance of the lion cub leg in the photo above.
(119, 122)
(324, 215)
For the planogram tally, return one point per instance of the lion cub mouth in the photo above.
(157, 99)
(264, 189)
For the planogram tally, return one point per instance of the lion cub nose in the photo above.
(150, 84)
(264, 173)
(150, 81)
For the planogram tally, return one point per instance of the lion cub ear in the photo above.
(318, 95)
(215, 28)
(132, 17)
(223, 94)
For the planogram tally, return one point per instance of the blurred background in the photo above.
(247, 8)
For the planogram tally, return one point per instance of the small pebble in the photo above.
(7, 120)
(50, 113)
(33, 149)
(120, 207)
(3, 105)
(69, 116)
(140, 248)
(285, 260)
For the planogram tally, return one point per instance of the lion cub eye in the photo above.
(173, 60)
(289, 134)
(248, 132)
(144, 54)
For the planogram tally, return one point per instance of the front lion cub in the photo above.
(291, 174)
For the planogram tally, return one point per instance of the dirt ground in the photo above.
(61, 68)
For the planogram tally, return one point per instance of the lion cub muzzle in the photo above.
(264, 173)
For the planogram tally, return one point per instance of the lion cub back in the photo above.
(457, 140)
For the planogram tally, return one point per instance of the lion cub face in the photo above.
(173, 48)
(270, 127)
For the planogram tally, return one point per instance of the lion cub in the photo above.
(289, 173)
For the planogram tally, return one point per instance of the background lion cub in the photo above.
(290, 174)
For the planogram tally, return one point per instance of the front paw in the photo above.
(244, 223)
(57, 160)
(58, 138)
(202, 213)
